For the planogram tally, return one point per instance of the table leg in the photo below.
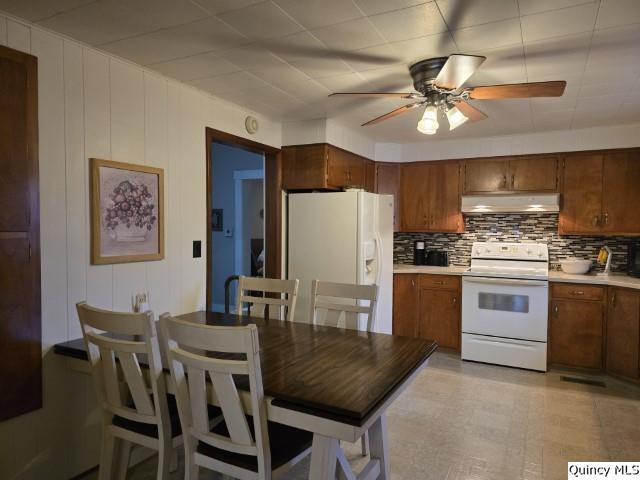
(323, 458)
(379, 445)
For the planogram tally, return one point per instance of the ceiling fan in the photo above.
(438, 83)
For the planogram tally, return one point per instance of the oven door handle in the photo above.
(506, 281)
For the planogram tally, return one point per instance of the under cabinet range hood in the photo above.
(511, 203)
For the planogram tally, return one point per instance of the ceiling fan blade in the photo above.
(393, 113)
(457, 70)
(377, 94)
(471, 112)
(518, 90)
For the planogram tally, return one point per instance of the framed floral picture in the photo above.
(127, 212)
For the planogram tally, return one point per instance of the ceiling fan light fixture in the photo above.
(455, 117)
(428, 124)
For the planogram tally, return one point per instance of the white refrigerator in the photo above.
(344, 237)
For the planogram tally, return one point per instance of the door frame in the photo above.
(272, 200)
(239, 176)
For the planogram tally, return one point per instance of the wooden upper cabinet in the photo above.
(388, 183)
(621, 193)
(486, 176)
(322, 166)
(581, 208)
(534, 174)
(405, 304)
(370, 172)
(430, 197)
(623, 332)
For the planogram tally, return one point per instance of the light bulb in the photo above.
(455, 117)
(429, 122)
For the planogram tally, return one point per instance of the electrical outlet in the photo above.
(228, 232)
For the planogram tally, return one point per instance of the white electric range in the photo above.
(505, 296)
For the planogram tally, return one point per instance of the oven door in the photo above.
(504, 307)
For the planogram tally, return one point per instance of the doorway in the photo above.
(244, 213)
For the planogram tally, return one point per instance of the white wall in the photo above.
(94, 105)
(619, 136)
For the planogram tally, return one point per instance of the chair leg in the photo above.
(364, 441)
(106, 454)
(173, 466)
(191, 470)
(123, 461)
(164, 460)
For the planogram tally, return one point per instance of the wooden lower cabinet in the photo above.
(623, 333)
(576, 329)
(427, 306)
(405, 304)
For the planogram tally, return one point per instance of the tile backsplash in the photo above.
(512, 227)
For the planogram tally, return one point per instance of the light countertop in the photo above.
(616, 279)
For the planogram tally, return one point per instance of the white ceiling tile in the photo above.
(350, 35)
(196, 66)
(323, 67)
(496, 70)
(319, 13)
(209, 34)
(297, 47)
(251, 57)
(558, 55)
(389, 79)
(614, 48)
(35, 10)
(262, 21)
(353, 82)
(229, 82)
(430, 46)
(294, 82)
(541, 106)
(373, 7)
(462, 13)
(528, 7)
(615, 13)
(558, 23)
(109, 20)
(410, 22)
(489, 35)
(219, 6)
(557, 120)
(614, 85)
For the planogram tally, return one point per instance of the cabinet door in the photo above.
(415, 196)
(486, 176)
(405, 304)
(338, 167)
(304, 167)
(575, 331)
(621, 193)
(581, 194)
(444, 198)
(388, 183)
(356, 170)
(623, 332)
(534, 174)
(439, 317)
(370, 176)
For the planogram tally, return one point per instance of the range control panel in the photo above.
(510, 251)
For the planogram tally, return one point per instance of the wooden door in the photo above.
(370, 176)
(444, 198)
(415, 196)
(621, 193)
(576, 333)
(486, 176)
(405, 304)
(623, 332)
(439, 317)
(388, 183)
(534, 174)
(304, 167)
(581, 205)
(20, 338)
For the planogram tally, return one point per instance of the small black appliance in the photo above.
(437, 258)
(419, 257)
(633, 259)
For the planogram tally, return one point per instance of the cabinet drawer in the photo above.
(577, 291)
(446, 282)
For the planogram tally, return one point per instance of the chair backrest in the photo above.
(189, 371)
(338, 300)
(114, 341)
(276, 295)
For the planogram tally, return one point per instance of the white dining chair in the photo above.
(243, 444)
(336, 304)
(267, 297)
(136, 407)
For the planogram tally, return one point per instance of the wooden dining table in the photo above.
(334, 382)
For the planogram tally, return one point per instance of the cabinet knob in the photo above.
(455, 300)
(555, 310)
(504, 181)
(606, 218)
(596, 221)
(513, 181)
(438, 282)
(613, 299)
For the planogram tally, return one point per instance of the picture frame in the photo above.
(127, 212)
(216, 219)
